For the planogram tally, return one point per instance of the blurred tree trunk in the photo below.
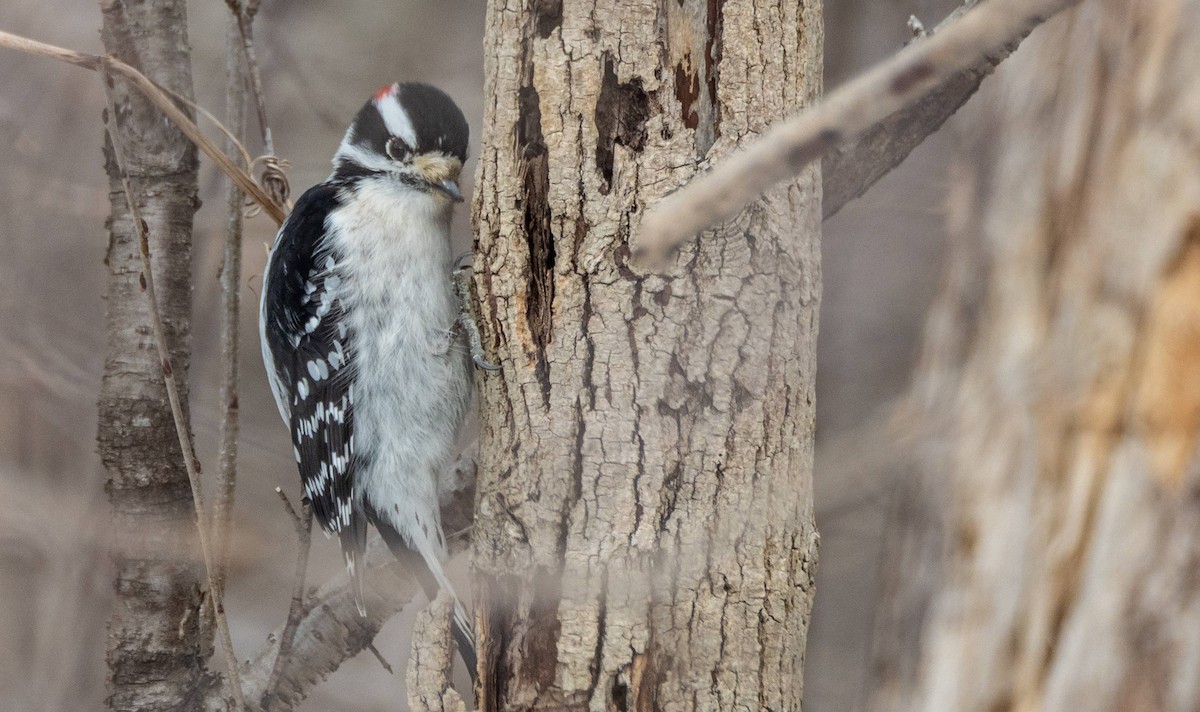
(156, 647)
(1059, 393)
(644, 535)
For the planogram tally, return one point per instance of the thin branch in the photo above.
(297, 521)
(180, 418)
(166, 103)
(273, 178)
(296, 610)
(851, 168)
(244, 19)
(791, 145)
(231, 278)
(382, 660)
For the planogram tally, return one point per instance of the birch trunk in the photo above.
(1059, 390)
(644, 535)
(156, 645)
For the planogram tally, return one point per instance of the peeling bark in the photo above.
(644, 534)
(1059, 390)
(156, 645)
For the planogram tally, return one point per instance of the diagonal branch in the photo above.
(328, 632)
(851, 168)
(165, 101)
(990, 30)
(329, 629)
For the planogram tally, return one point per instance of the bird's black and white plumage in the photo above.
(356, 326)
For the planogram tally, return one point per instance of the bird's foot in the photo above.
(466, 315)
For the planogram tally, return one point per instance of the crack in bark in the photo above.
(548, 15)
(622, 110)
(535, 173)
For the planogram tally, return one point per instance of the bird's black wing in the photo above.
(305, 341)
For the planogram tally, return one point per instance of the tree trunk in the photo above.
(1059, 392)
(644, 535)
(156, 647)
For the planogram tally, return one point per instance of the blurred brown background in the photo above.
(320, 61)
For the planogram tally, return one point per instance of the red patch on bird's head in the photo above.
(385, 92)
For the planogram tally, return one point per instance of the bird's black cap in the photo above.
(425, 117)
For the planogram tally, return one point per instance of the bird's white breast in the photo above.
(411, 386)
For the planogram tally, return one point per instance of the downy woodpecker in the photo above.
(357, 326)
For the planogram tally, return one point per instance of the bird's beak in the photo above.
(442, 173)
(450, 189)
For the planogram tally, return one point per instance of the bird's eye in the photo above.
(397, 149)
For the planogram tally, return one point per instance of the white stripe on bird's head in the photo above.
(349, 152)
(395, 118)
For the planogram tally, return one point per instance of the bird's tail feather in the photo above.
(354, 548)
(427, 568)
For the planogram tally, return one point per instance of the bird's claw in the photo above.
(466, 315)
(463, 261)
(480, 363)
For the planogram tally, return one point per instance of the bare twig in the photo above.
(166, 103)
(245, 19)
(296, 610)
(851, 168)
(180, 418)
(231, 277)
(382, 660)
(916, 27)
(297, 521)
(789, 146)
(273, 178)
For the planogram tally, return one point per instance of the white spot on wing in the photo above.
(314, 370)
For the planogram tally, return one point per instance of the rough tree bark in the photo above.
(1059, 393)
(156, 646)
(644, 534)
